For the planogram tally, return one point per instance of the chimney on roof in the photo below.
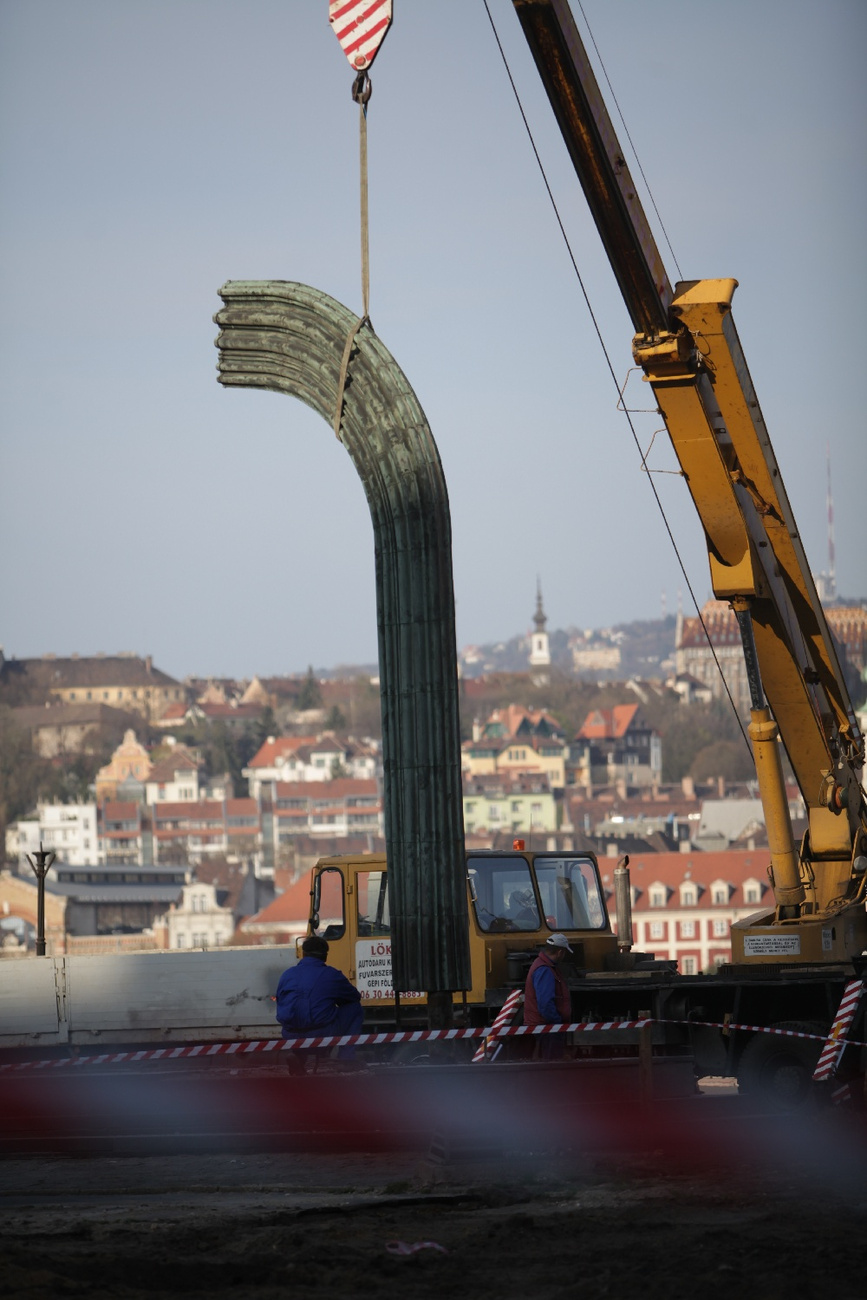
(477, 729)
(721, 786)
(149, 664)
(687, 785)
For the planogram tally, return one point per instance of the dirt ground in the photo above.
(270, 1225)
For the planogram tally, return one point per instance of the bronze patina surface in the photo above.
(291, 339)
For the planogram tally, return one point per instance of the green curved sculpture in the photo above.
(292, 339)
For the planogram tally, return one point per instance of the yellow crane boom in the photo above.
(687, 345)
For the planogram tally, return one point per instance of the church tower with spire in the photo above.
(540, 651)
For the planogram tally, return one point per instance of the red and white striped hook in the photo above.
(360, 26)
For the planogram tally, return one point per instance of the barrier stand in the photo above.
(645, 1061)
(835, 1044)
(486, 1052)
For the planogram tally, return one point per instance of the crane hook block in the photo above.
(360, 26)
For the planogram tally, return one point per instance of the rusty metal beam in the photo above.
(291, 339)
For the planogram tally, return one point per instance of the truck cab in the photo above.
(515, 900)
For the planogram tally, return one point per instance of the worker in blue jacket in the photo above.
(314, 998)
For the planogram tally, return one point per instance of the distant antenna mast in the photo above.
(832, 577)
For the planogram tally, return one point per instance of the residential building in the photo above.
(200, 918)
(57, 729)
(174, 778)
(341, 806)
(124, 681)
(501, 802)
(516, 740)
(310, 758)
(849, 626)
(278, 759)
(616, 744)
(699, 648)
(125, 832)
(594, 653)
(690, 689)
(67, 830)
(516, 722)
(193, 831)
(683, 904)
(233, 715)
(130, 765)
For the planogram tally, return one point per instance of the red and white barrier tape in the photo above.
(206, 1050)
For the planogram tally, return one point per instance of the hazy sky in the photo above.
(150, 151)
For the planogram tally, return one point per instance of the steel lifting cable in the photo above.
(608, 362)
(361, 92)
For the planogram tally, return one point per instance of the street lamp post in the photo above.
(44, 859)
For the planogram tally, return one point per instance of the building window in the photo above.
(657, 929)
(688, 895)
(688, 964)
(658, 895)
(752, 892)
(181, 940)
(687, 929)
(719, 929)
(720, 893)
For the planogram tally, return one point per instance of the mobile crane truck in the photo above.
(791, 965)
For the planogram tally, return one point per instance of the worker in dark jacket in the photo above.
(546, 994)
(314, 998)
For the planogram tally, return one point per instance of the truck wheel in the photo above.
(780, 1070)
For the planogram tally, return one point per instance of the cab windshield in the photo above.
(569, 889)
(504, 898)
(372, 895)
(503, 894)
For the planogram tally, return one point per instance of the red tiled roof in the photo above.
(733, 866)
(241, 808)
(120, 810)
(181, 832)
(608, 724)
(230, 710)
(292, 905)
(166, 770)
(279, 747)
(719, 622)
(177, 710)
(210, 808)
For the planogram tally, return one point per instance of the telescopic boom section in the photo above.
(598, 159)
(688, 347)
